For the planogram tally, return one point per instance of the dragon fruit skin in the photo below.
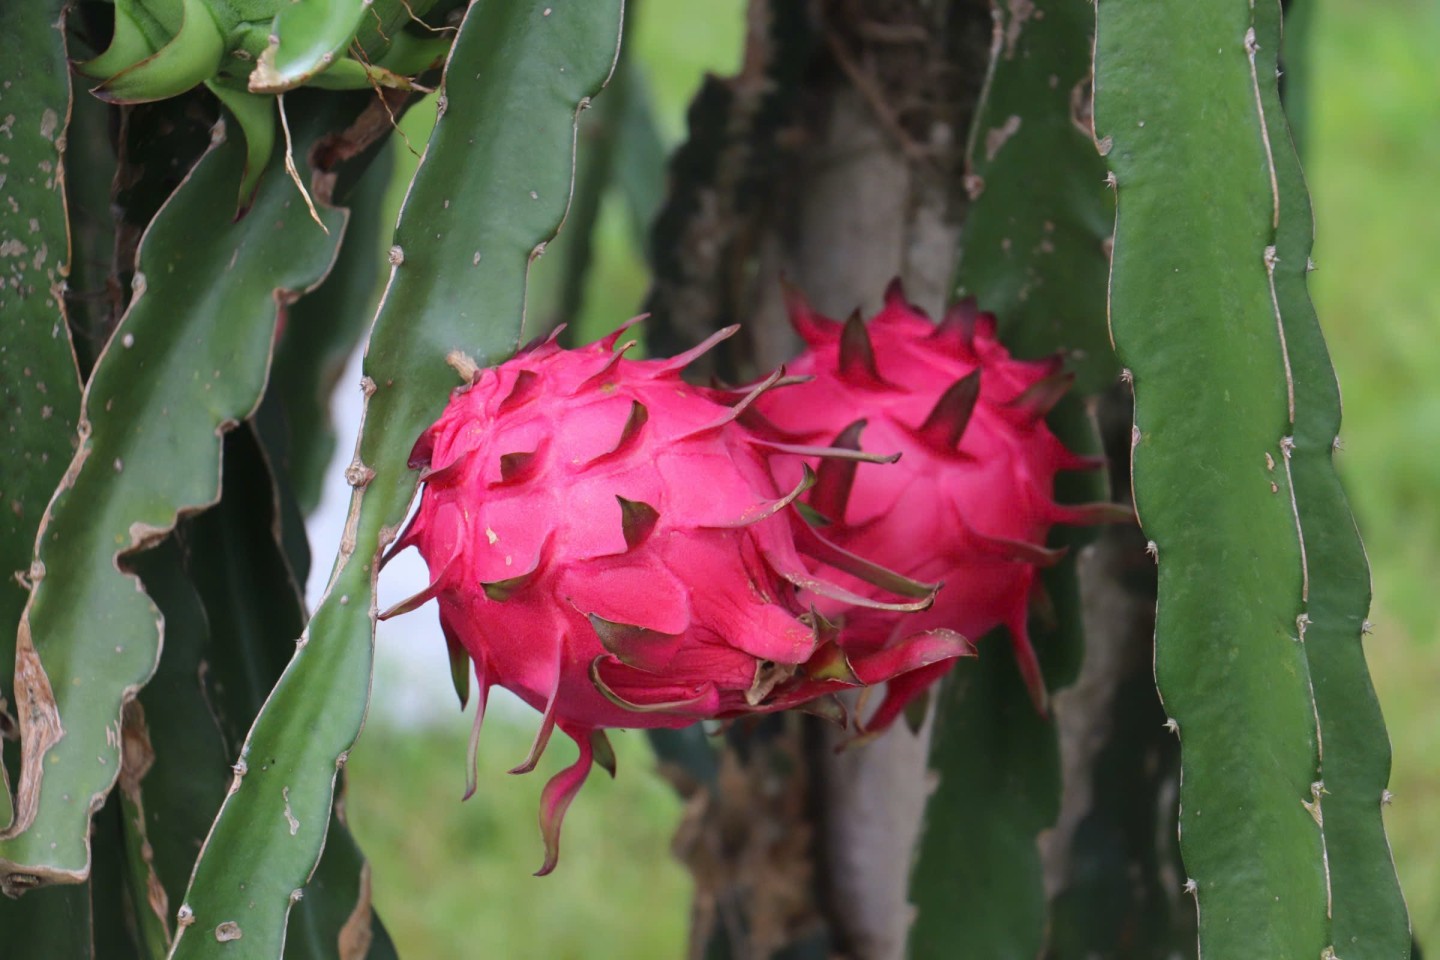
(608, 543)
(969, 503)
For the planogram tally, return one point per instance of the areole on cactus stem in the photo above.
(610, 543)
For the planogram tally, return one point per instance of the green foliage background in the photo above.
(1372, 152)
(452, 879)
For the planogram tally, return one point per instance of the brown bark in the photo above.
(841, 182)
(875, 196)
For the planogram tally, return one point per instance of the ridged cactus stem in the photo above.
(179, 371)
(1367, 911)
(39, 384)
(492, 189)
(1031, 251)
(1209, 314)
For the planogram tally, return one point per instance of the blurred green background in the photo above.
(454, 880)
(1372, 155)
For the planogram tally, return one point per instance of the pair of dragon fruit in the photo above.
(622, 549)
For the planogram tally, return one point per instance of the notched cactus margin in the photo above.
(39, 382)
(137, 757)
(89, 637)
(1365, 905)
(323, 329)
(232, 604)
(457, 283)
(1192, 318)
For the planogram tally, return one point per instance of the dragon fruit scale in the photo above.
(609, 543)
(969, 503)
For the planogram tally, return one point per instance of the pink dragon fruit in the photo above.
(609, 543)
(970, 502)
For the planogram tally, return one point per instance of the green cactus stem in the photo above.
(231, 602)
(1368, 915)
(1184, 112)
(39, 383)
(1032, 251)
(197, 338)
(189, 57)
(246, 53)
(324, 327)
(518, 75)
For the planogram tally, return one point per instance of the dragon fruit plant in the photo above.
(734, 571)
(247, 55)
(609, 543)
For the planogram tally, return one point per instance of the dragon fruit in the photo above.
(609, 543)
(969, 503)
